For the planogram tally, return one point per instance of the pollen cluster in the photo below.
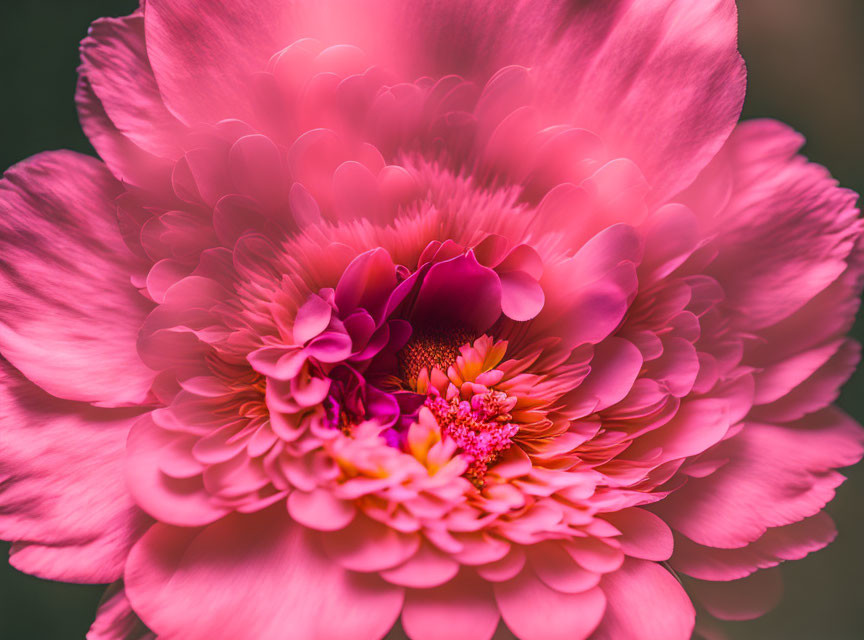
(480, 427)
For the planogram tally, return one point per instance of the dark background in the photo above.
(806, 67)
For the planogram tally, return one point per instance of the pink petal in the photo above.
(115, 619)
(557, 569)
(614, 368)
(767, 270)
(203, 62)
(64, 502)
(330, 346)
(256, 169)
(304, 208)
(643, 535)
(427, 568)
(664, 50)
(645, 601)
(699, 424)
(744, 599)
(162, 275)
(775, 476)
(533, 611)
(594, 554)
(355, 193)
(76, 315)
(367, 545)
(127, 161)
(816, 392)
(589, 308)
(504, 569)
(320, 509)
(521, 296)
(776, 381)
(672, 234)
(462, 608)
(114, 62)
(779, 544)
(184, 502)
(173, 575)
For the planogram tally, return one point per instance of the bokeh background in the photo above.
(806, 67)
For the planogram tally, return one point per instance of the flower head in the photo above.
(466, 313)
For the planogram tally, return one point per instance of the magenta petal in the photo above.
(329, 347)
(367, 282)
(459, 292)
(174, 574)
(280, 363)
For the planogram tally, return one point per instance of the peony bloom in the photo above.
(481, 316)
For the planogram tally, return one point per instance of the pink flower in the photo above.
(454, 311)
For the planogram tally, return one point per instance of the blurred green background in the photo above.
(806, 67)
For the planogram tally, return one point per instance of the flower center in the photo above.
(430, 349)
(456, 373)
(480, 427)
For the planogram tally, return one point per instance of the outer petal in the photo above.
(204, 60)
(176, 580)
(676, 60)
(744, 599)
(776, 475)
(661, 81)
(645, 602)
(792, 542)
(63, 501)
(462, 609)
(533, 611)
(128, 162)
(115, 619)
(114, 61)
(69, 316)
(785, 233)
